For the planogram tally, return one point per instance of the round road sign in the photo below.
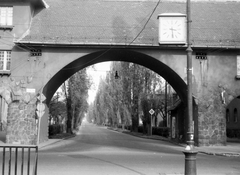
(40, 107)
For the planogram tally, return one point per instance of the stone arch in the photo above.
(126, 55)
(117, 55)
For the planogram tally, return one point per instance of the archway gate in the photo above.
(44, 74)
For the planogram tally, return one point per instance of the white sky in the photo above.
(99, 70)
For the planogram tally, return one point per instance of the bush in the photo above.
(233, 133)
(55, 129)
(161, 131)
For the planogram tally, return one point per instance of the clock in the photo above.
(172, 28)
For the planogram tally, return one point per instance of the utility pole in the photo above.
(190, 132)
(166, 104)
(190, 153)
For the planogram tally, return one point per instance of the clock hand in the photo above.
(172, 29)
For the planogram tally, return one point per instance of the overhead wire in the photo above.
(7, 42)
(142, 29)
(146, 22)
(30, 48)
(1, 40)
(12, 36)
(212, 50)
(18, 66)
(106, 50)
(144, 26)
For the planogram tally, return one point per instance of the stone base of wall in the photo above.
(212, 131)
(211, 121)
(21, 124)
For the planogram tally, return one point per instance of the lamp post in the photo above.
(190, 133)
(190, 153)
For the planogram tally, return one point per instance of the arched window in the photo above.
(235, 115)
(227, 116)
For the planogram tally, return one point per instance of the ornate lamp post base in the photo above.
(190, 162)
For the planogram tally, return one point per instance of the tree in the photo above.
(135, 91)
(76, 93)
(57, 109)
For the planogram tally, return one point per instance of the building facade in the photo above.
(15, 22)
(43, 43)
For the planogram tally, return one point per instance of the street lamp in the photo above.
(116, 75)
(190, 153)
(170, 26)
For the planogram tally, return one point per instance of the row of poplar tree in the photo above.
(128, 92)
(70, 109)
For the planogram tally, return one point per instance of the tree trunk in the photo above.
(135, 122)
(69, 115)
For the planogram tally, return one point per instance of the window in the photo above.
(6, 16)
(235, 115)
(5, 60)
(227, 116)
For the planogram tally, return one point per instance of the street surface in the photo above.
(99, 151)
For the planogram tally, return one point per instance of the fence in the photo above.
(19, 159)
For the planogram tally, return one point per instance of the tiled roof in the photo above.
(120, 21)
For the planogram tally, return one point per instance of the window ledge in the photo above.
(6, 27)
(5, 72)
(237, 77)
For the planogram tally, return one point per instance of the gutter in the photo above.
(218, 47)
(74, 44)
(38, 43)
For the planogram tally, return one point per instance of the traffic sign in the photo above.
(40, 107)
(41, 97)
(151, 111)
(39, 113)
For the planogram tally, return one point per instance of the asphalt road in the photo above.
(99, 151)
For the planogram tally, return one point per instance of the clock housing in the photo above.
(172, 28)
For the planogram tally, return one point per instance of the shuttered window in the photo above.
(6, 16)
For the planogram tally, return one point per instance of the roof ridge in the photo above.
(184, 1)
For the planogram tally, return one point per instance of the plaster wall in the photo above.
(22, 13)
(211, 77)
(43, 68)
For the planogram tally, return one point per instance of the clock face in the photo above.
(172, 30)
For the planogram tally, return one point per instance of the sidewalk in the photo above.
(231, 149)
(40, 146)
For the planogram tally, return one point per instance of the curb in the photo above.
(57, 140)
(221, 154)
(163, 139)
(145, 137)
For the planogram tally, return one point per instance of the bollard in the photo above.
(190, 162)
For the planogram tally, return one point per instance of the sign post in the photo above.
(40, 112)
(151, 113)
